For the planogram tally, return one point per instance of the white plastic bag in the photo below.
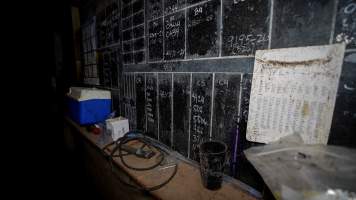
(293, 170)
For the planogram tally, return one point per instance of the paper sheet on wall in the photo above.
(293, 92)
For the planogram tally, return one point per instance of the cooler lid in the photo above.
(82, 94)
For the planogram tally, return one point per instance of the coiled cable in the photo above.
(146, 141)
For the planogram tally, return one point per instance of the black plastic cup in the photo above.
(212, 161)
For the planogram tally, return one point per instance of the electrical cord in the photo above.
(146, 141)
(119, 147)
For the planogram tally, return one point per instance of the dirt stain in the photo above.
(277, 63)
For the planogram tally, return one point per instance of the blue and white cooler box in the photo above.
(88, 105)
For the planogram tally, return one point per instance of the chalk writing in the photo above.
(197, 119)
(173, 33)
(202, 33)
(174, 29)
(349, 9)
(223, 82)
(172, 8)
(139, 80)
(201, 83)
(198, 10)
(173, 5)
(245, 27)
(165, 108)
(195, 22)
(198, 98)
(238, 1)
(154, 9)
(200, 112)
(197, 109)
(151, 105)
(246, 44)
(346, 23)
(226, 110)
(164, 94)
(155, 36)
(174, 53)
(168, 66)
(245, 98)
(140, 102)
(155, 39)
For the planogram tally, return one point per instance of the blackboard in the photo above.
(190, 2)
(127, 35)
(226, 105)
(101, 28)
(181, 96)
(132, 95)
(127, 58)
(140, 101)
(109, 30)
(115, 23)
(125, 97)
(139, 44)
(200, 111)
(139, 57)
(244, 108)
(165, 108)
(245, 26)
(154, 9)
(106, 70)
(245, 96)
(129, 99)
(155, 40)
(151, 105)
(345, 27)
(125, 2)
(133, 32)
(343, 124)
(202, 25)
(139, 31)
(198, 38)
(293, 26)
(111, 18)
(174, 36)
(173, 5)
(122, 96)
(137, 6)
(114, 68)
(126, 11)
(115, 104)
(127, 46)
(126, 23)
(138, 18)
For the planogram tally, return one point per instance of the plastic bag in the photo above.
(293, 170)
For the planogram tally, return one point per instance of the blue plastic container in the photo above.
(88, 106)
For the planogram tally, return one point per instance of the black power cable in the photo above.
(146, 141)
(119, 147)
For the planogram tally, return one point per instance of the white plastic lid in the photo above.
(82, 94)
